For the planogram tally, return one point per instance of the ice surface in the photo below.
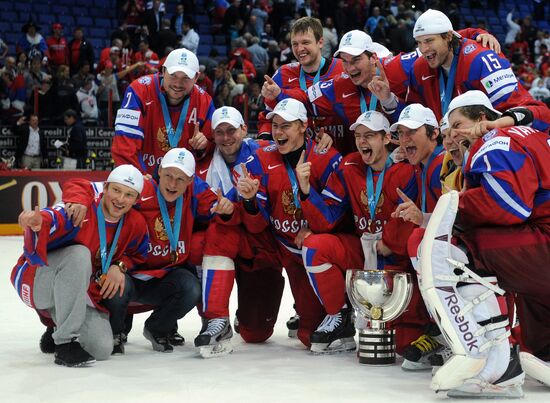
(281, 370)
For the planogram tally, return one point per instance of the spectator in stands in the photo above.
(260, 58)
(13, 90)
(167, 40)
(204, 81)
(31, 41)
(149, 58)
(400, 38)
(255, 102)
(539, 91)
(116, 46)
(153, 18)
(210, 61)
(177, 19)
(239, 93)
(374, 20)
(31, 150)
(330, 38)
(4, 49)
(76, 139)
(80, 50)
(266, 36)
(221, 75)
(58, 48)
(46, 103)
(223, 96)
(240, 64)
(190, 39)
(34, 76)
(519, 49)
(87, 101)
(261, 15)
(64, 92)
(83, 74)
(232, 15)
(513, 29)
(529, 32)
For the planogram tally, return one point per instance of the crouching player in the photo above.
(497, 229)
(66, 270)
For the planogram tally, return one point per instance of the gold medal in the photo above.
(174, 255)
(297, 214)
(376, 312)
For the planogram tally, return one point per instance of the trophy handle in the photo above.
(400, 298)
(358, 307)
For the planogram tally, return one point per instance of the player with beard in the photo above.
(164, 111)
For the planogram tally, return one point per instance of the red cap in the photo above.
(57, 25)
(108, 64)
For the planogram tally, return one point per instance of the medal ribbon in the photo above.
(106, 258)
(372, 196)
(446, 91)
(173, 233)
(294, 181)
(303, 85)
(173, 136)
(436, 152)
(372, 104)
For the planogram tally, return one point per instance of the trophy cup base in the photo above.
(376, 347)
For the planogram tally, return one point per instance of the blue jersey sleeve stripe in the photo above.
(132, 132)
(505, 198)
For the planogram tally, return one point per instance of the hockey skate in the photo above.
(118, 344)
(47, 345)
(73, 355)
(418, 354)
(508, 386)
(175, 338)
(535, 367)
(214, 339)
(335, 334)
(159, 343)
(292, 325)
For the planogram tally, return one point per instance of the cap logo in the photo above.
(224, 113)
(406, 114)
(130, 180)
(183, 59)
(347, 40)
(282, 105)
(181, 157)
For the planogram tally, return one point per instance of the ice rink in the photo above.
(281, 370)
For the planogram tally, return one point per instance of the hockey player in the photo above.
(288, 201)
(163, 111)
(368, 180)
(502, 231)
(54, 273)
(452, 65)
(232, 253)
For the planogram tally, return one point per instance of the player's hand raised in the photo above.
(199, 140)
(408, 210)
(247, 186)
(270, 89)
(379, 85)
(303, 173)
(31, 219)
(224, 206)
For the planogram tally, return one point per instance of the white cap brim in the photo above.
(350, 50)
(285, 115)
(179, 166)
(411, 124)
(372, 127)
(232, 122)
(189, 72)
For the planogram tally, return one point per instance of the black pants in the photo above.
(173, 296)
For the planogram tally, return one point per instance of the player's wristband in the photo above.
(391, 105)
(250, 206)
(521, 116)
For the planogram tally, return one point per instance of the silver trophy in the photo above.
(378, 296)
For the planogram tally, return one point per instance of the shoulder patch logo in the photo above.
(490, 135)
(270, 148)
(469, 48)
(144, 80)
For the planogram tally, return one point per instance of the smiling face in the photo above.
(372, 146)
(452, 147)
(416, 143)
(177, 86)
(459, 121)
(288, 136)
(307, 49)
(360, 68)
(173, 183)
(436, 49)
(117, 200)
(229, 139)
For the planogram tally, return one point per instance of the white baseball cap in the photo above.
(356, 42)
(127, 175)
(290, 110)
(433, 22)
(227, 114)
(182, 60)
(471, 98)
(180, 158)
(444, 122)
(373, 120)
(414, 116)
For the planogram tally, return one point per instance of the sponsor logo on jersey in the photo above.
(144, 199)
(146, 80)
(270, 167)
(498, 79)
(292, 79)
(424, 78)
(128, 116)
(469, 48)
(314, 92)
(26, 294)
(348, 95)
(496, 143)
(203, 171)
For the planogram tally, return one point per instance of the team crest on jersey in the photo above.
(469, 48)
(160, 230)
(287, 198)
(490, 135)
(365, 201)
(144, 80)
(294, 64)
(271, 147)
(162, 138)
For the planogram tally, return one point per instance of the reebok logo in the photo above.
(273, 166)
(424, 78)
(463, 325)
(348, 95)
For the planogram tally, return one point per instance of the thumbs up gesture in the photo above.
(303, 172)
(270, 89)
(223, 206)
(198, 141)
(31, 219)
